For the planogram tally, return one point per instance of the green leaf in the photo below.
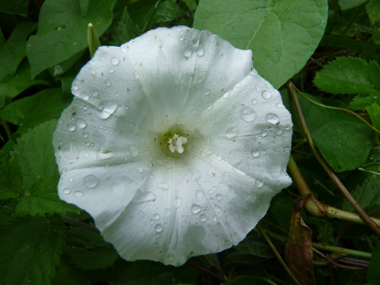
(373, 273)
(30, 249)
(42, 198)
(17, 7)
(281, 34)
(192, 4)
(374, 113)
(351, 75)
(88, 250)
(146, 13)
(346, 43)
(10, 177)
(373, 10)
(62, 30)
(344, 141)
(36, 153)
(251, 251)
(20, 82)
(368, 197)
(13, 51)
(34, 110)
(125, 30)
(349, 4)
(67, 274)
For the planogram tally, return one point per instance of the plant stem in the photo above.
(331, 248)
(318, 209)
(7, 129)
(327, 168)
(288, 271)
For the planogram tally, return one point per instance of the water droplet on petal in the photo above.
(75, 87)
(264, 133)
(84, 96)
(163, 186)
(203, 218)
(279, 105)
(115, 61)
(195, 41)
(255, 153)
(195, 209)
(266, 94)
(106, 109)
(78, 194)
(232, 132)
(272, 118)
(137, 76)
(66, 191)
(254, 101)
(171, 257)
(247, 114)
(207, 92)
(81, 123)
(134, 151)
(94, 92)
(156, 216)
(200, 51)
(90, 181)
(71, 127)
(187, 52)
(259, 183)
(219, 197)
(158, 228)
(107, 83)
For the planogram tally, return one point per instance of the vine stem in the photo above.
(287, 269)
(352, 252)
(326, 167)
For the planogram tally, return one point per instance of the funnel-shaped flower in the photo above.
(173, 144)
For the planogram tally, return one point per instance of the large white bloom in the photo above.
(174, 144)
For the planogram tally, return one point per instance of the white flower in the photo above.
(173, 144)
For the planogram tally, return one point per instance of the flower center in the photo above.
(176, 142)
(173, 141)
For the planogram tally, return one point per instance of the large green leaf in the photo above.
(36, 153)
(30, 249)
(344, 141)
(62, 30)
(351, 75)
(88, 250)
(13, 51)
(373, 10)
(20, 82)
(349, 4)
(282, 34)
(34, 110)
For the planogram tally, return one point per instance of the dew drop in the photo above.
(209, 107)
(66, 191)
(254, 101)
(134, 151)
(187, 52)
(195, 41)
(75, 87)
(163, 186)
(139, 169)
(84, 96)
(255, 153)
(78, 194)
(232, 132)
(266, 94)
(200, 51)
(90, 181)
(156, 216)
(264, 133)
(203, 218)
(107, 83)
(106, 109)
(110, 70)
(217, 208)
(219, 197)
(115, 61)
(81, 123)
(195, 209)
(279, 132)
(71, 127)
(259, 183)
(137, 76)
(279, 105)
(272, 118)
(171, 257)
(207, 92)
(158, 228)
(247, 114)
(94, 92)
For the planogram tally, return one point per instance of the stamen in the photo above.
(175, 143)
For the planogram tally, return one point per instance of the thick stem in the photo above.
(331, 248)
(327, 168)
